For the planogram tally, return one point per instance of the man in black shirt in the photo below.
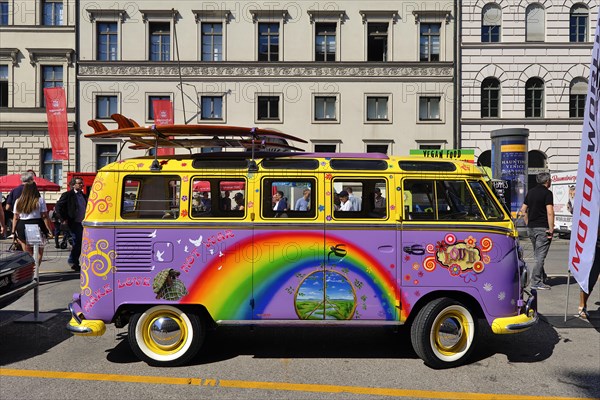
(538, 213)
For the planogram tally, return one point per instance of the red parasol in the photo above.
(9, 182)
(204, 186)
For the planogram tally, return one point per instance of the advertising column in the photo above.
(509, 162)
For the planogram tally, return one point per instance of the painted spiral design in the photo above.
(429, 263)
(430, 248)
(486, 244)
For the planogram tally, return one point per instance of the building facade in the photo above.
(526, 65)
(37, 50)
(346, 76)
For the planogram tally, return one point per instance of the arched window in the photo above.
(490, 98)
(577, 94)
(535, 29)
(491, 21)
(534, 98)
(578, 23)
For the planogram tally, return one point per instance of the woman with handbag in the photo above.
(30, 209)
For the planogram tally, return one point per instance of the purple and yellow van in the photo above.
(174, 245)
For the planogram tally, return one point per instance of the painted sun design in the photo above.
(501, 296)
(415, 266)
(487, 287)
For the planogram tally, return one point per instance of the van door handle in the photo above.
(415, 249)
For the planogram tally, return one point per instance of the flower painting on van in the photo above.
(460, 257)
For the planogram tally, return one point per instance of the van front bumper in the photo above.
(84, 327)
(521, 322)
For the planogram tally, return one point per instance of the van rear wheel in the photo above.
(443, 333)
(165, 336)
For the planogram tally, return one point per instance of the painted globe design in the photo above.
(325, 295)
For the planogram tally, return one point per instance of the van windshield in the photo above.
(484, 196)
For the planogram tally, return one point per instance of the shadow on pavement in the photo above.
(534, 345)
(229, 342)
(584, 381)
(21, 341)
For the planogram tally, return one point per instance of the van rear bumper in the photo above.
(84, 327)
(518, 323)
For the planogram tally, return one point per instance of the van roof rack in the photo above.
(193, 136)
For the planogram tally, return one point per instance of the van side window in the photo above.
(289, 198)
(419, 200)
(150, 197)
(218, 198)
(365, 198)
(431, 200)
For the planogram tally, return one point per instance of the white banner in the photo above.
(586, 211)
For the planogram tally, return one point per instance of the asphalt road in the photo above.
(555, 359)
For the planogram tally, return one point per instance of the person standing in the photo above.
(538, 214)
(379, 199)
(353, 200)
(14, 194)
(71, 206)
(303, 203)
(30, 209)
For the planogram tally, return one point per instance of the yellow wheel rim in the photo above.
(450, 332)
(164, 332)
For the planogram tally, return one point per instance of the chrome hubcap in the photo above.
(165, 331)
(450, 332)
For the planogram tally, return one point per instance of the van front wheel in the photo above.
(443, 333)
(165, 336)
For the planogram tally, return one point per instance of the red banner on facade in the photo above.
(56, 112)
(163, 115)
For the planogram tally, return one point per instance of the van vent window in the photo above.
(427, 166)
(290, 164)
(362, 165)
(150, 197)
(220, 164)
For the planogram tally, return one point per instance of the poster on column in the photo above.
(513, 166)
(56, 113)
(163, 115)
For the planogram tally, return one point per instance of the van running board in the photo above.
(315, 323)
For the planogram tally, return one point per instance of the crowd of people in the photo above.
(33, 222)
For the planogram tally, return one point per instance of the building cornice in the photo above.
(217, 15)
(527, 45)
(322, 15)
(158, 14)
(269, 15)
(32, 126)
(497, 122)
(391, 15)
(10, 54)
(35, 55)
(108, 14)
(250, 70)
(38, 28)
(432, 15)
